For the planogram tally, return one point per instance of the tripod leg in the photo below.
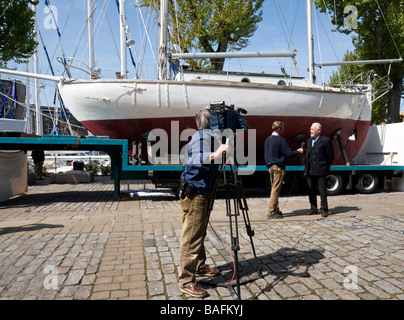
(244, 209)
(235, 246)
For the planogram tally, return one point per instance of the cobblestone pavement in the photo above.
(75, 242)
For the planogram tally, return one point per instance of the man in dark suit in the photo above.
(319, 156)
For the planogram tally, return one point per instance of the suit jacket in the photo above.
(319, 157)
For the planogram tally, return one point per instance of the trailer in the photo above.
(378, 165)
(363, 178)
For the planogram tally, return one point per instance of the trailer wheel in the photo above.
(334, 184)
(367, 182)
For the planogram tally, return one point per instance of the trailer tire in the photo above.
(367, 182)
(335, 184)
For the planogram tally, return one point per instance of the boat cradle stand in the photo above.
(115, 148)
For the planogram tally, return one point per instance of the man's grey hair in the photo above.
(202, 119)
(319, 126)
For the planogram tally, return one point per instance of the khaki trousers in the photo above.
(276, 175)
(192, 255)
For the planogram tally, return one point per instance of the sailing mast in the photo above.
(90, 26)
(163, 40)
(122, 19)
(310, 41)
(38, 115)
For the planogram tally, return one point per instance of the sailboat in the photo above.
(130, 108)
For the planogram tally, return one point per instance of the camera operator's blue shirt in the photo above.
(199, 170)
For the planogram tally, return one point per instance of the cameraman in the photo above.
(197, 182)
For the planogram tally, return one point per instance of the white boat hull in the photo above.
(124, 109)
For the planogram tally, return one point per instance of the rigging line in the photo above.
(34, 110)
(64, 27)
(290, 40)
(46, 52)
(279, 16)
(138, 68)
(269, 41)
(53, 73)
(59, 37)
(328, 38)
(336, 34)
(126, 37)
(146, 32)
(291, 31)
(388, 28)
(319, 46)
(333, 23)
(97, 27)
(144, 38)
(178, 28)
(135, 63)
(110, 28)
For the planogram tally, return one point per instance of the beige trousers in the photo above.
(192, 255)
(276, 175)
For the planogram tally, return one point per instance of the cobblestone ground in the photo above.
(76, 242)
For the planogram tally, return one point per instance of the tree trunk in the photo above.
(217, 64)
(393, 105)
(222, 47)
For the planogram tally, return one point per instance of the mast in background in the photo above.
(38, 115)
(163, 40)
(90, 26)
(310, 41)
(122, 19)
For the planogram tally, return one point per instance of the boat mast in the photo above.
(90, 27)
(310, 41)
(28, 114)
(122, 16)
(163, 39)
(38, 115)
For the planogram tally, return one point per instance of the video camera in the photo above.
(224, 117)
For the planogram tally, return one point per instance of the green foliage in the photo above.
(17, 39)
(106, 170)
(94, 167)
(378, 23)
(345, 74)
(211, 26)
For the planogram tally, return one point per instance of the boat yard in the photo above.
(94, 247)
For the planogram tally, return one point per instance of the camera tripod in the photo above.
(235, 202)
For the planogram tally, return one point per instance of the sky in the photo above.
(283, 29)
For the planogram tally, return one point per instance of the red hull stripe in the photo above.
(132, 130)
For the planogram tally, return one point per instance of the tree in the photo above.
(211, 26)
(17, 37)
(346, 73)
(378, 33)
